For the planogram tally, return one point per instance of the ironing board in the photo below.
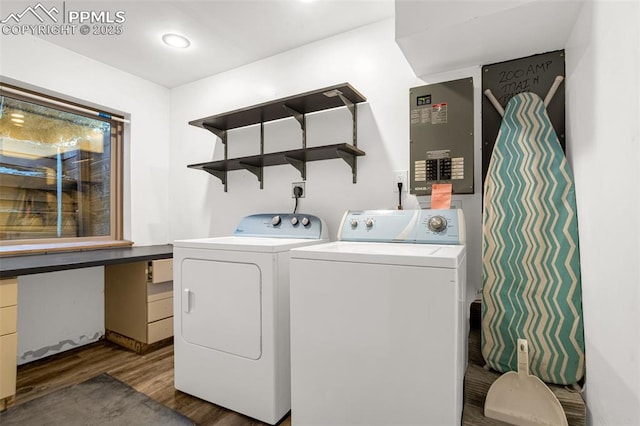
(531, 266)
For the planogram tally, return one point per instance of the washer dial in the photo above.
(437, 224)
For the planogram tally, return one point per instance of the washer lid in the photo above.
(252, 244)
(423, 255)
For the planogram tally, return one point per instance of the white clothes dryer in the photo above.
(378, 325)
(231, 313)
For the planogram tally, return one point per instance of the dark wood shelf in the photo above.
(340, 95)
(304, 103)
(295, 157)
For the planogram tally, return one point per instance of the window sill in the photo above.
(16, 250)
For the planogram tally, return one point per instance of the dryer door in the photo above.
(221, 306)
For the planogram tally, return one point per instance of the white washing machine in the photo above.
(378, 325)
(231, 313)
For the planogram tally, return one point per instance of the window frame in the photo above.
(116, 236)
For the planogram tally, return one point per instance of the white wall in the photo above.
(369, 59)
(603, 116)
(58, 311)
(33, 63)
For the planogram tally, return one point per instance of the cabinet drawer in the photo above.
(8, 292)
(162, 270)
(159, 291)
(160, 330)
(8, 320)
(8, 364)
(160, 309)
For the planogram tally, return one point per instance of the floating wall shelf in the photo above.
(294, 106)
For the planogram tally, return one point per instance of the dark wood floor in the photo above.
(151, 374)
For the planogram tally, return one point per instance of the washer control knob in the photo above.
(369, 223)
(354, 223)
(306, 221)
(294, 221)
(275, 221)
(437, 224)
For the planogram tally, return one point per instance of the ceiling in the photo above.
(480, 32)
(224, 34)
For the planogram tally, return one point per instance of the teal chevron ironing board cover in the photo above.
(531, 265)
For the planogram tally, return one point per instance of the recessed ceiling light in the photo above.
(175, 40)
(17, 120)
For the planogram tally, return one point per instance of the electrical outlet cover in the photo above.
(300, 184)
(400, 176)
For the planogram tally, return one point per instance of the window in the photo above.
(60, 173)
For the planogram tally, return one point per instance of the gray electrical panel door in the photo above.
(441, 136)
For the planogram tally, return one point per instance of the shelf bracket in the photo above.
(351, 160)
(353, 109)
(222, 134)
(295, 114)
(301, 118)
(261, 138)
(350, 105)
(256, 170)
(299, 164)
(220, 174)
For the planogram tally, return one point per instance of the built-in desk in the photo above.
(14, 266)
(129, 276)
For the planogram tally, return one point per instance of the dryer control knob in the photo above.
(294, 221)
(275, 221)
(306, 221)
(368, 223)
(437, 224)
(354, 223)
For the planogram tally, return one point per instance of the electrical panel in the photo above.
(441, 136)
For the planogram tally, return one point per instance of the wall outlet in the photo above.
(400, 176)
(301, 185)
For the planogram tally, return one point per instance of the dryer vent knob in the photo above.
(294, 221)
(306, 221)
(275, 221)
(354, 223)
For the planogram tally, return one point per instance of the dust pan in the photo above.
(523, 399)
